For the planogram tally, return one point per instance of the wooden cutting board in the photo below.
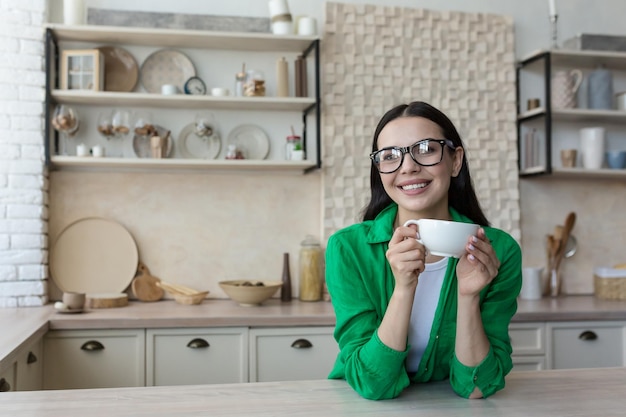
(145, 286)
(106, 300)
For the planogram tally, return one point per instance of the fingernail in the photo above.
(474, 239)
(471, 257)
(471, 247)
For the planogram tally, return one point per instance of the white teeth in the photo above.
(413, 186)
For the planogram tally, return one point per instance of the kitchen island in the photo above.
(591, 392)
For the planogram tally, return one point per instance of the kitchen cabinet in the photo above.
(7, 378)
(291, 353)
(213, 45)
(587, 344)
(196, 356)
(94, 359)
(29, 372)
(557, 129)
(529, 346)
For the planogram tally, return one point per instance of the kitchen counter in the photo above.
(19, 326)
(589, 392)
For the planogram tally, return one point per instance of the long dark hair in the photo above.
(461, 194)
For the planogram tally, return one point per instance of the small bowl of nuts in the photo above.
(250, 292)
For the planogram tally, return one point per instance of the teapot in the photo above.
(565, 85)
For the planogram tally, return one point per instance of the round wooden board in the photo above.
(106, 300)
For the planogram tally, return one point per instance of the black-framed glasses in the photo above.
(426, 152)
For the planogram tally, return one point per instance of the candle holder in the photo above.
(553, 20)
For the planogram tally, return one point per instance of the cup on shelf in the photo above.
(97, 151)
(81, 150)
(616, 159)
(592, 147)
(568, 158)
(169, 89)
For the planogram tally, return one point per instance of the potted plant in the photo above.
(297, 154)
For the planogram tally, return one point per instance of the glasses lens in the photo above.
(388, 160)
(427, 152)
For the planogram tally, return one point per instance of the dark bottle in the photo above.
(285, 290)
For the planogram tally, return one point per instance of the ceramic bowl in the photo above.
(250, 292)
(616, 159)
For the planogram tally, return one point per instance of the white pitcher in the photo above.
(565, 85)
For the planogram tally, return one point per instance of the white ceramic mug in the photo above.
(307, 26)
(565, 85)
(592, 147)
(443, 237)
(97, 151)
(531, 283)
(169, 89)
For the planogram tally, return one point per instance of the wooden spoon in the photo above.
(570, 220)
(145, 286)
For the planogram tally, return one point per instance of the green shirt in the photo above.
(360, 283)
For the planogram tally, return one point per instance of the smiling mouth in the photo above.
(414, 186)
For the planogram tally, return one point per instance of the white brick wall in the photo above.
(23, 177)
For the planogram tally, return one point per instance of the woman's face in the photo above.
(420, 192)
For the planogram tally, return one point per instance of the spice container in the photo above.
(311, 278)
(240, 81)
(233, 152)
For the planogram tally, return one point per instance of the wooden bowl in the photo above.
(250, 292)
(190, 299)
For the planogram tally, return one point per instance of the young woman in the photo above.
(404, 315)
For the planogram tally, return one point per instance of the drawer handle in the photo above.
(302, 344)
(4, 385)
(588, 335)
(31, 358)
(198, 344)
(92, 346)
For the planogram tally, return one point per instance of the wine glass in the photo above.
(204, 125)
(120, 121)
(65, 120)
(105, 124)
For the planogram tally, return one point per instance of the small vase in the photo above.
(285, 290)
(74, 12)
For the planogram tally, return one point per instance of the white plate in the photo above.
(252, 140)
(194, 146)
(94, 255)
(141, 144)
(166, 66)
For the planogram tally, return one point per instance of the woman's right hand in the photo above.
(406, 256)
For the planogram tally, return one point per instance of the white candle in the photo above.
(552, 7)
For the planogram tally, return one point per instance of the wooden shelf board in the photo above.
(175, 38)
(583, 58)
(85, 97)
(588, 173)
(179, 163)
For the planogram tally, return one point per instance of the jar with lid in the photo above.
(240, 81)
(311, 270)
(255, 84)
(293, 143)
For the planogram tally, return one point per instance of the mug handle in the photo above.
(415, 222)
(578, 74)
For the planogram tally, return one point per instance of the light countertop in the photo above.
(588, 392)
(19, 326)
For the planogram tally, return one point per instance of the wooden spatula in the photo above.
(145, 286)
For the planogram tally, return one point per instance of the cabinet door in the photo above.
(94, 359)
(527, 338)
(30, 368)
(197, 356)
(528, 363)
(7, 379)
(288, 354)
(587, 345)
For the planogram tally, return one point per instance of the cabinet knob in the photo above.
(31, 358)
(4, 385)
(92, 345)
(302, 344)
(588, 335)
(198, 344)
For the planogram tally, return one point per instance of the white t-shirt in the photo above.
(423, 312)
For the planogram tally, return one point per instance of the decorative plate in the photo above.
(251, 140)
(94, 255)
(193, 146)
(166, 66)
(121, 71)
(141, 144)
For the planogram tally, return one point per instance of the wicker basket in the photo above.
(610, 283)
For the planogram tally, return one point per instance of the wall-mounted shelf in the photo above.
(541, 64)
(309, 107)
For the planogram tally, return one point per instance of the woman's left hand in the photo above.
(478, 267)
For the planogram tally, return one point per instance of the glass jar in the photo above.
(293, 143)
(311, 270)
(255, 84)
